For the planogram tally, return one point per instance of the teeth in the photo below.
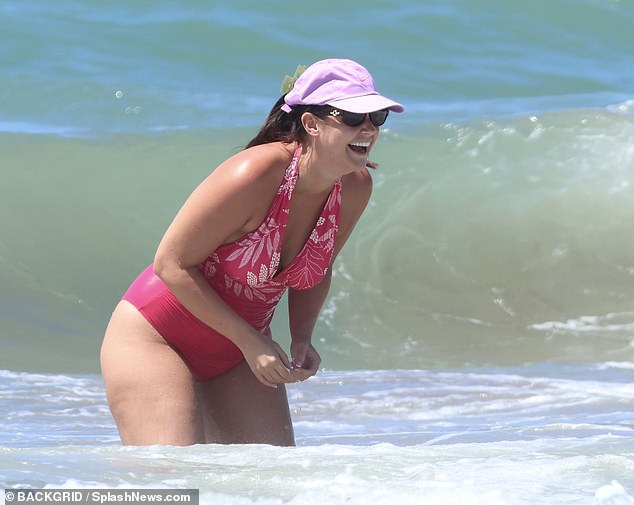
(360, 144)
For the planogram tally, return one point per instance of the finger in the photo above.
(267, 382)
(298, 352)
(298, 359)
(302, 374)
(282, 356)
(284, 374)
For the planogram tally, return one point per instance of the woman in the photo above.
(188, 356)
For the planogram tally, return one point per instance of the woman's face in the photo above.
(347, 146)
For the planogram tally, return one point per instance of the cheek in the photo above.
(333, 139)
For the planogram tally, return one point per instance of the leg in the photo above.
(238, 409)
(151, 392)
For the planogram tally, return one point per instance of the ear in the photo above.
(310, 122)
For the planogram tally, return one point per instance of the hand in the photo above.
(306, 360)
(268, 362)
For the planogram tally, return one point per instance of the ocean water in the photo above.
(478, 341)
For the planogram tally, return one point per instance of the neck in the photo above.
(314, 176)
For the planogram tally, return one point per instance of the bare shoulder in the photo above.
(250, 175)
(230, 202)
(256, 165)
(356, 190)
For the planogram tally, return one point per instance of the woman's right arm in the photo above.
(224, 207)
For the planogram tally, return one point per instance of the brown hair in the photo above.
(282, 126)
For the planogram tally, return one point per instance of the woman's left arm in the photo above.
(304, 305)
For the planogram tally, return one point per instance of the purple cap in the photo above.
(341, 83)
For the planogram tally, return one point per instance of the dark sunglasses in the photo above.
(353, 119)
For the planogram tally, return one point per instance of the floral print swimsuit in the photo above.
(247, 276)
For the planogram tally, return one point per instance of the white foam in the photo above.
(611, 322)
(613, 494)
(378, 437)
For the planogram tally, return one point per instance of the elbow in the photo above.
(166, 269)
(172, 272)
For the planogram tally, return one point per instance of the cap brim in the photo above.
(366, 103)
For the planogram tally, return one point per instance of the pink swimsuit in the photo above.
(245, 274)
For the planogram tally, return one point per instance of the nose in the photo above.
(368, 124)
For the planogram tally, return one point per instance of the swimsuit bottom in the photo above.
(206, 352)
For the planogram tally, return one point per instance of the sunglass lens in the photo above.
(379, 117)
(352, 118)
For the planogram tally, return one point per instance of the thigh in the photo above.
(238, 409)
(151, 392)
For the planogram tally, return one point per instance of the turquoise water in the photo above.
(478, 341)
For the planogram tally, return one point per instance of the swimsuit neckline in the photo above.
(293, 175)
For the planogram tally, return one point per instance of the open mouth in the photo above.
(360, 147)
